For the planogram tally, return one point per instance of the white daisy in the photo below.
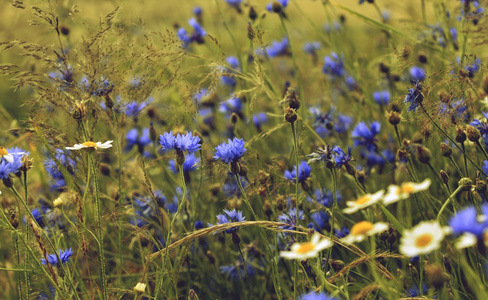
(308, 249)
(91, 145)
(402, 192)
(467, 240)
(363, 229)
(8, 156)
(423, 238)
(362, 202)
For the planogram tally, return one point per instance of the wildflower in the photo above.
(306, 250)
(363, 229)
(363, 202)
(315, 295)
(231, 151)
(414, 97)
(132, 137)
(91, 145)
(340, 233)
(382, 97)
(231, 105)
(468, 221)
(259, 119)
(197, 36)
(62, 156)
(303, 172)
(417, 74)
(283, 3)
(365, 136)
(481, 126)
(133, 109)
(320, 220)
(237, 270)
(58, 202)
(290, 218)
(311, 48)
(52, 259)
(396, 193)
(422, 239)
(140, 287)
(324, 197)
(104, 87)
(230, 216)
(340, 157)
(231, 189)
(333, 66)
(180, 143)
(456, 111)
(278, 48)
(9, 155)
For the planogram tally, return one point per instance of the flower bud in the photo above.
(290, 115)
(105, 169)
(79, 110)
(234, 118)
(292, 99)
(472, 133)
(236, 239)
(253, 14)
(394, 118)
(423, 155)
(460, 135)
(361, 176)
(485, 84)
(422, 57)
(446, 150)
(251, 34)
(444, 176)
(210, 257)
(152, 133)
(276, 7)
(466, 183)
(435, 276)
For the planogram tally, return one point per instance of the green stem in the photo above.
(459, 189)
(99, 224)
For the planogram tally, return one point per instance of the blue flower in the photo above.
(467, 220)
(5, 169)
(197, 11)
(414, 97)
(340, 157)
(317, 296)
(133, 139)
(197, 36)
(333, 66)
(480, 125)
(259, 119)
(320, 219)
(231, 189)
(230, 80)
(278, 48)
(290, 218)
(231, 151)
(186, 142)
(311, 48)
(230, 216)
(303, 172)
(457, 111)
(382, 97)
(325, 197)
(237, 271)
(190, 164)
(485, 167)
(417, 74)
(284, 4)
(52, 259)
(341, 233)
(50, 165)
(133, 109)
(364, 136)
(231, 105)
(104, 87)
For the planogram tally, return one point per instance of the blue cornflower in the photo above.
(364, 136)
(290, 218)
(303, 172)
(313, 295)
(325, 197)
(231, 105)
(259, 119)
(351, 83)
(132, 137)
(133, 109)
(279, 48)
(186, 142)
(480, 125)
(473, 68)
(284, 4)
(467, 220)
(104, 87)
(320, 220)
(230, 216)
(231, 151)
(414, 97)
(183, 36)
(234, 3)
(417, 74)
(457, 110)
(52, 259)
(190, 164)
(230, 187)
(230, 80)
(341, 233)
(382, 97)
(237, 271)
(340, 157)
(197, 11)
(333, 66)
(311, 48)
(199, 225)
(197, 36)
(5, 169)
(50, 165)
(485, 167)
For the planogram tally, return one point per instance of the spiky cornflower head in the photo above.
(230, 216)
(340, 157)
(186, 142)
(302, 251)
(382, 97)
(311, 48)
(52, 259)
(304, 171)
(468, 221)
(363, 202)
(414, 97)
(91, 145)
(231, 151)
(366, 136)
(333, 66)
(316, 295)
(133, 109)
(291, 218)
(363, 229)
(424, 238)
(417, 74)
(396, 193)
(133, 138)
(277, 48)
(325, 197)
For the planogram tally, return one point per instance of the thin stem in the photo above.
(99, 224)
(439, 214)
(249, 279)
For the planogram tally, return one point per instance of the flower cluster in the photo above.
(186, 142)
(231, 151)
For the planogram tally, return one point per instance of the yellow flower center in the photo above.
(423, 240)
(361, 228)
(407, 188)
(305, 247)
(90, 144)
(364, 199)
(3, 151)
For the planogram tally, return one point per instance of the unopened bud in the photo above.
(435, 276)
(79, 110)
(361, 176)
(422, 57)
(472, 133)
(250, 32)
(446, 150)
(466, 183)
(276, 7)
(384, 68)
(394, 117)
(267, 209)
(460, 135)
(444, 97)
(290, 115)
(234, 118)
(423, 155)
(444, 176)
(292, 99)
(152, 133)
(105, 169)
(485, 84)
(236, 239)
(253, 14)
(210, 257)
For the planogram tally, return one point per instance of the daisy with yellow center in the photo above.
(91, 145)
(423, 238)
(402, 192)
(8, 156)
(306, 250)
(362, 230)
(362, 202)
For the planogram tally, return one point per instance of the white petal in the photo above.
(9, 157)
(323, 244)
(466, 240)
